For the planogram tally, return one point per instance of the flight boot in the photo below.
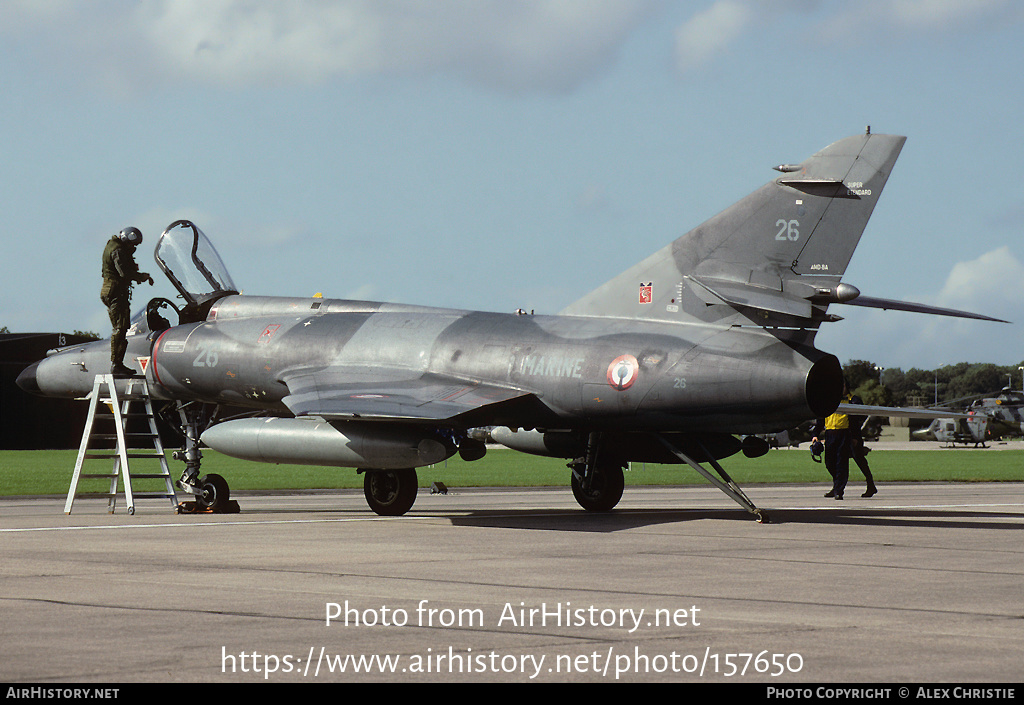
(120, 371)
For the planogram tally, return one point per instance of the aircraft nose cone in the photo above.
(27, 379)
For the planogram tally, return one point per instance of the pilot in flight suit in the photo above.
(119, 272)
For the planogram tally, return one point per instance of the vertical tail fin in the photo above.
(776, 256)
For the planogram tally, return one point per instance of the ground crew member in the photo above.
(119, 272)
(859, 451)
(835, 432)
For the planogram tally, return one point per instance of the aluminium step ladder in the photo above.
(114, 409)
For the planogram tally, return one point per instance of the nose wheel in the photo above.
(214, 493)
(213, 496)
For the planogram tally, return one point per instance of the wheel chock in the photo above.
(195, 508)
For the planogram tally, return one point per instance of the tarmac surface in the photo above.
(919, 584)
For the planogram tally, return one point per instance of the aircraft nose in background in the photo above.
(27, 379)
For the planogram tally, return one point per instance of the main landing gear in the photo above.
(597, 479)
(390, 493)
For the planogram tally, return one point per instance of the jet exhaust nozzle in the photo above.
(824, 386)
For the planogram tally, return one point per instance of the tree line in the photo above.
(83, 333)
(891, 386)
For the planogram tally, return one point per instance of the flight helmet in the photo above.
(817, 448)
(133, 236)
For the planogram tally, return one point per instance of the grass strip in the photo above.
(35, 472)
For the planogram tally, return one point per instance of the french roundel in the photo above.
(623, 372)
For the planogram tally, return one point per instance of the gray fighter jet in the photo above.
(709, 339)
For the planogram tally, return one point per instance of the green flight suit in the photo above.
(119, 271)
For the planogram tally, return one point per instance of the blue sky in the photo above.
(497, 154)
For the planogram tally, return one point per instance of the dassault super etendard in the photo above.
(682, 358)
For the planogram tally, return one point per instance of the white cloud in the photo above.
(995, 280)
(933, 14)
(991, 284)
(549, 45)
(711, 32)
(519, 45)
(925, 12)
(717, 29)
(917, 17)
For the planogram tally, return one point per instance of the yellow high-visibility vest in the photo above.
(838, 421)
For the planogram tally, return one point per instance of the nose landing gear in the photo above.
(211, 492)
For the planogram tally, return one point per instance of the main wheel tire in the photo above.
(605, 490)
(214, 492)
(390, 493)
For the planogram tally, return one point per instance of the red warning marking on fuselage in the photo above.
(268, 333)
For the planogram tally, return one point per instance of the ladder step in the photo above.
(127, 434)
(134, 476)
(135, 495)
(121, 410)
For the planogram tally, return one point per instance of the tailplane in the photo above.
(774, 258)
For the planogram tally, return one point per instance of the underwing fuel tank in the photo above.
(316, 442)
